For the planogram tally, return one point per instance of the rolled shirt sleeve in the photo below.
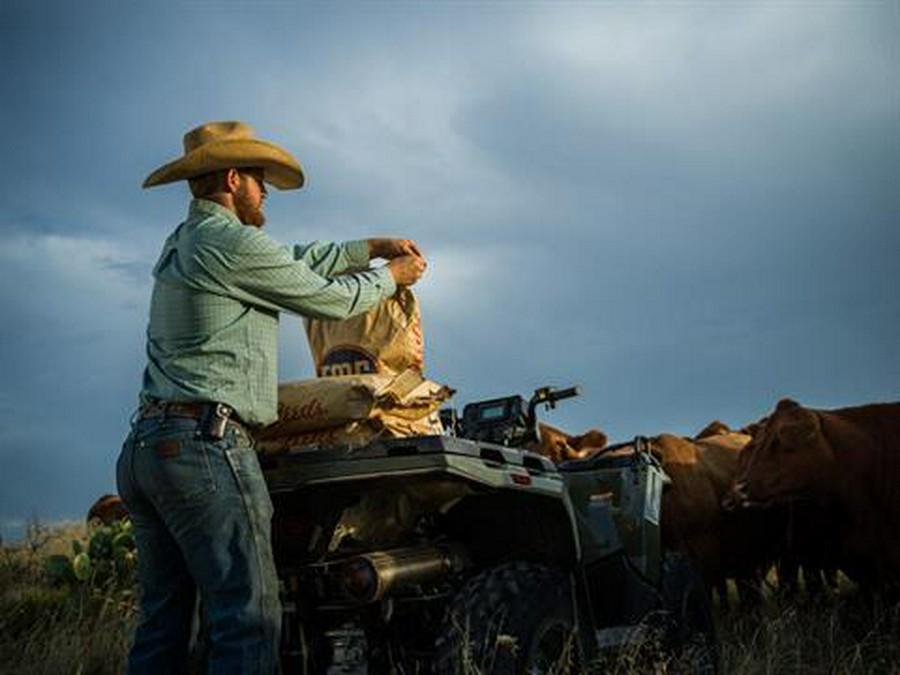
(328, 258)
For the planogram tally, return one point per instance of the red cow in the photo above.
(561, 446)
(720, 544)
(848, 462)
(107, 510)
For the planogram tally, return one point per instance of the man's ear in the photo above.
(232, 180)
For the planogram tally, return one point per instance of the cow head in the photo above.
(107, 509)
(787, 459)
(560, 446)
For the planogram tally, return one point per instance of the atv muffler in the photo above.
(372, 576)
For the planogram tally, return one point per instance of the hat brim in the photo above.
(279, 167)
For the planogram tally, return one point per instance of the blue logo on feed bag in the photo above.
(347, 361)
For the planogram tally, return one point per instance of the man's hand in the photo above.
(407, 269)
(393, 248)
(406, 264)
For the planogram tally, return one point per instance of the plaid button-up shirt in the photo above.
(219, 288)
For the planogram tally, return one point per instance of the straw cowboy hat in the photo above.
(225, 145)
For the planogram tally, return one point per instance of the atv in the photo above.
(468, 553)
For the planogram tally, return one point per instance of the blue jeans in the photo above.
(202, 517)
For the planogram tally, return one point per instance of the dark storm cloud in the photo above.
(689, 209)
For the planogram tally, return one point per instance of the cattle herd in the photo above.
(808, 491)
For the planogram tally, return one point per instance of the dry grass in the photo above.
(58, 630)
(845, 634)
(47, 630)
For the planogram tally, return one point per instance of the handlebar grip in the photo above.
(563, 393)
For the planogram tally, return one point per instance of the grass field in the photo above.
(85, 628)
(50, 628)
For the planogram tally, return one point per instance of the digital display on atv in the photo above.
(492, 413)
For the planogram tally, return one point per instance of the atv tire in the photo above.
(515, 618)
(691, 635)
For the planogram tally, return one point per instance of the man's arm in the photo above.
(406, 262)
(257, 270)
(329, 258)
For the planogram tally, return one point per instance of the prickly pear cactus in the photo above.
(108, 561)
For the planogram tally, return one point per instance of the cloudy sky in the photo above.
(688, 208)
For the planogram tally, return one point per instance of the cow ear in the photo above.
(786, 404)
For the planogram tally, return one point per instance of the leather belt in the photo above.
(195, 410)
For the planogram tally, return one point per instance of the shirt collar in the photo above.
(205, 207)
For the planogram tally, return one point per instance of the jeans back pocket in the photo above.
(175, 463)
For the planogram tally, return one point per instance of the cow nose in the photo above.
(737, 497)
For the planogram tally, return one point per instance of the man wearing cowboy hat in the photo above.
(188, 472)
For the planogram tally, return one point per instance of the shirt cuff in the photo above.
(358, 253)
(387, 282)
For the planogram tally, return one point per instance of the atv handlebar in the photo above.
(509, 421)
(559, 394)
(549, 397)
